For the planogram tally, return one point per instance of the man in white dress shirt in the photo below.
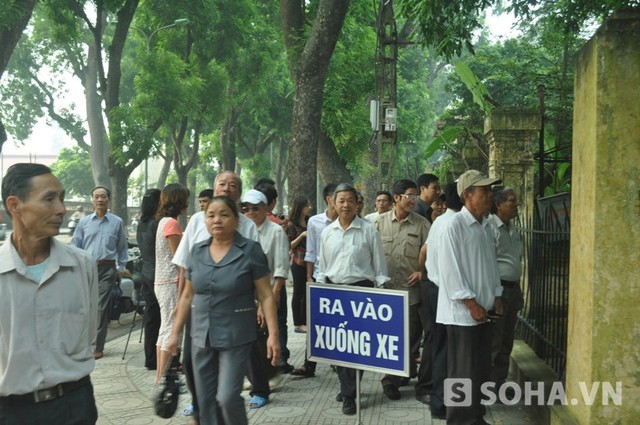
(469, 288)
(384, 203)
(433, 370)
(351, 253)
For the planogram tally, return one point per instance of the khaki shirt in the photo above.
(401, 241)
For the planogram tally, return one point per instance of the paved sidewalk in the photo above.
(124, 389)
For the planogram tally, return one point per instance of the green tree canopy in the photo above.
(73, 169)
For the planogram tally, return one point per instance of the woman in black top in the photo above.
(146, 237)
(297, 232)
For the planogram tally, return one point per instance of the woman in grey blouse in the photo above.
(224, 275)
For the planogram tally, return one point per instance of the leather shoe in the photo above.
(440, 413)
(424, 399)
(348, 406)
(98, 355)
(303, 372)
(391, 391)
(285, 367)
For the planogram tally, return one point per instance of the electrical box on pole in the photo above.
(385, 126)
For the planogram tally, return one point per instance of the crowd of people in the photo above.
(215, 292)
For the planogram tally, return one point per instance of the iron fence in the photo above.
(542, 322)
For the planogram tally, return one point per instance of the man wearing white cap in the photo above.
(275, 246)
(469, 288)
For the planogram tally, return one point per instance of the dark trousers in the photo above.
(424, 329)
(469, 357)
(282, 326)
(77, 407)
(512, 302)
(187, 366)
(308, 364)
(257, 370)
(107, 275)
(151, 322)
(299, 299)
(414, 322)
(428, 306)
(347, 375)
(438, 355)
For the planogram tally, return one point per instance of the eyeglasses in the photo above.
(254, 208)
(410, 197)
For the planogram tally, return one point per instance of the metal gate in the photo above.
(542, 322)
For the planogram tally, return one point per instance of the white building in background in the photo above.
(7, 160)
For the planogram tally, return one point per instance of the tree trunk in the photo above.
(119, 179)
(227, 143)
(9, 36)
(310, 75)
(166, 165)
(3, 135)
(280, 177)
(331, 167)
(99, 148)
(371, 179)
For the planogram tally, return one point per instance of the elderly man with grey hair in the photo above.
(469, 288)
(509, 255)
(351, 254)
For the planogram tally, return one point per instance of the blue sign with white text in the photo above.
(363, 328)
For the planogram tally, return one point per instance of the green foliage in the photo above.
(421, 98)
(446, 25)
(29, 93)
(258, 90)
(475, 86)
(350, 84)
(561, 180)
(128, 135)
(445, 140)
(73, 169)
(445, 171)
(512, 73)
(10, 12)
(567, 16)
(449, 26)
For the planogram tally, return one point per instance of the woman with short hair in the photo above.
(225, 274)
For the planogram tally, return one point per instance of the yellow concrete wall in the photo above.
(604, 294)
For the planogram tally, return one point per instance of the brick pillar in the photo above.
(604, 288)
(512, 132)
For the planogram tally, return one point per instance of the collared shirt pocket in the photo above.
(411, 247)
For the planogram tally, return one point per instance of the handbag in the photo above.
(166, 401)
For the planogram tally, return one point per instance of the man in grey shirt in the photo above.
(48, 308)
(509, 256)
(103, 234)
